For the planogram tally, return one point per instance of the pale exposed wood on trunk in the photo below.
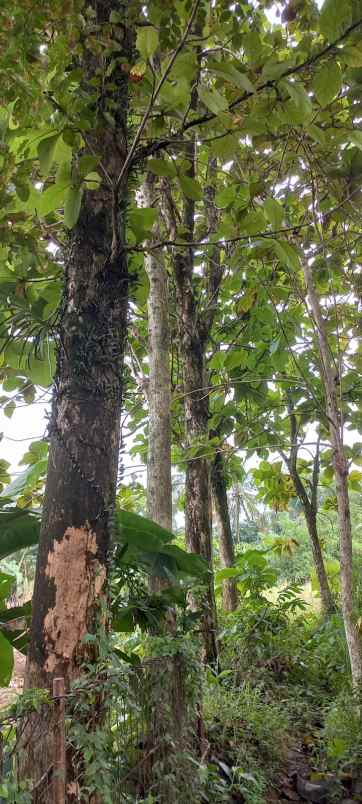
(330, 381)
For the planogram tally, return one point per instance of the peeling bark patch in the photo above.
(78, 578)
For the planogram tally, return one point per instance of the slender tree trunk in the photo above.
(229, 589)
(333, 412)
(310, 514)
(159, 488)
(192, 354)
(328, 604)
(84, 429)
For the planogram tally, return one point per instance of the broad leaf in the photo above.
(191, 188)
(147, 41)
(327, 83)
(72, 205)
(335, 17)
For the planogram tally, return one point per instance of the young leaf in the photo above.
(147, 41)
(72, 204)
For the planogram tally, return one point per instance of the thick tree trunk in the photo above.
(83, 458)
(333, 412)
(84, 428)
(229, 590)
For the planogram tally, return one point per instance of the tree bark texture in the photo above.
(335, 424)
(84, 427)
(159, 488)
(229, 588)
(197, 509)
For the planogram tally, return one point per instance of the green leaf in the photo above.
(92, 180)
(6, 585)
(213, 100)
(162, 167)
(327, 83)
(140, 532)
(46, 149)
(226, 196)
(86, 164)
(19, 528)
(51, 199)
(147, 41)
(352, 55)
(287, 254)
(335, 17)
(227, 71)
(189, 563)
(141, 220)
(274, 212)
(72, 205)
(16, 613)
(6, 661)
(9, 409)
(300, 98)
(27, 479)
(191, 188)
(355, 137)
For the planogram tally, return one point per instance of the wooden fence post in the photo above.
(59, 759)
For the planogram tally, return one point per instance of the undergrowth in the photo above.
(284, 682)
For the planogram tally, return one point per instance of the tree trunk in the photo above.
(229, 588)
(196, 407)
(328, 604)
(159, 487)
(84, 428)
(328, 377)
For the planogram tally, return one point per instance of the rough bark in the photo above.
(340, 464)
(229, 588)
(193, 334)
(84, 428)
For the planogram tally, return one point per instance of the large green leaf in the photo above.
(147, 41)
(213, 100)
(19, 528)
(140, 532)
(6, 661)
(335, 17)
(190, 563)
(327, 83)
(6, 584)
